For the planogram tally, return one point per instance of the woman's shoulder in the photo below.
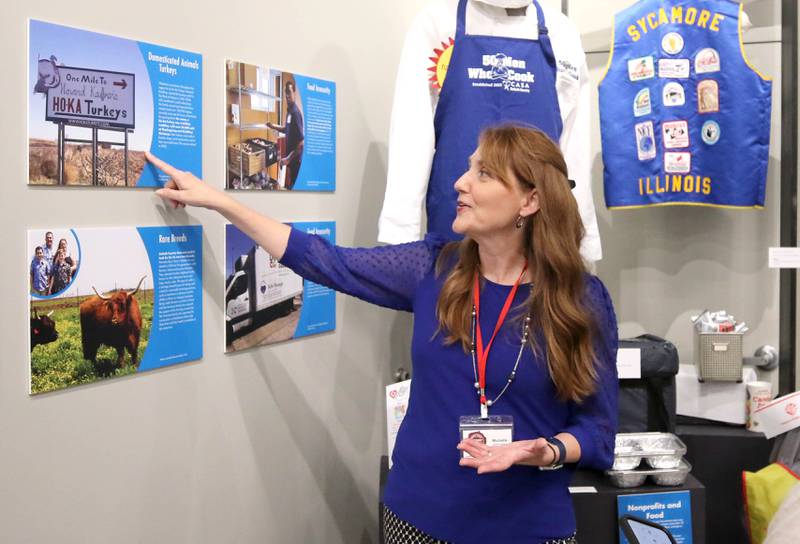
(443, 250)
(430, 246)
(599, 300)
(596, 292)
(593, 282)
(436, 242)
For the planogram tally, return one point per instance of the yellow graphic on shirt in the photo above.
(441, 61)
(678, 15)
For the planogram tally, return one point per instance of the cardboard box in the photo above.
(232, 73)
(245, 159)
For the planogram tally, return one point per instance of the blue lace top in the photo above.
(426, 486)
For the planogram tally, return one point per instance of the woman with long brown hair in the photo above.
(514, 345)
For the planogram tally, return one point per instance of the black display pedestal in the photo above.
(719, 454)
(596, 513)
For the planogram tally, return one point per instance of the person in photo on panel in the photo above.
(40, 273)
(48, 249)
(62, 244)
(293, 129)
(61, 272)
(508, 325)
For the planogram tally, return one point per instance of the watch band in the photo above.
(561, 449)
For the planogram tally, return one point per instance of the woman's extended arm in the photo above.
(387, 276)
(185, 188)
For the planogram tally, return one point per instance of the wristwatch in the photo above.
(561, 454)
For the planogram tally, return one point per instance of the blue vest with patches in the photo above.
(684, 117)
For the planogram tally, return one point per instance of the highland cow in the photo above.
(43, 329)
(113, 320)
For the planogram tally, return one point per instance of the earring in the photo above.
(520, 222)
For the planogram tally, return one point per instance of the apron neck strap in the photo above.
(540, 19)
(461, 18)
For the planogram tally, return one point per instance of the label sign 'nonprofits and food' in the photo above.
(93, 98)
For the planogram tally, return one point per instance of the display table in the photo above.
(596, 513)
(719, 454)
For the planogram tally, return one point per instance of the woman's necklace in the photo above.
(525, 330)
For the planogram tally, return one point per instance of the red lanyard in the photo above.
(483, 355)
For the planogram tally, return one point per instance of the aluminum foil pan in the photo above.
(627, 478)
(660, 476)
(658, 450)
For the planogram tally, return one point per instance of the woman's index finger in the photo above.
(161, 165)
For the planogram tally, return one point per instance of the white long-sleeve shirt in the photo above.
(412, 140)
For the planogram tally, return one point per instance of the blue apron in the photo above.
(490, 80)
(684, 117)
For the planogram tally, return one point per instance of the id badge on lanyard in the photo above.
(492, 430)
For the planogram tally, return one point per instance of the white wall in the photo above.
(282, 444)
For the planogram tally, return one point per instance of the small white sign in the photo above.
(779, 416)
(629, 363)
(93, 98)
(397, 395)
(784, 257)
(582, 489)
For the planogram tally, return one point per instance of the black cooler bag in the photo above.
(648, 404)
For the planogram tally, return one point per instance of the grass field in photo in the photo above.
(61, 364)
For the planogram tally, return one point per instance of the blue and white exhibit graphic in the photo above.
(671, 510)
(265, 302)
(281, 130)
(110, 302)
(96, 103)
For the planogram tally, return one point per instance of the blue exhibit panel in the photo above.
(176, 81)
(175, 255)
(319, 302)
(318, 169)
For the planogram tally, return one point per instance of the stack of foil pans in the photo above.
(657, 455)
